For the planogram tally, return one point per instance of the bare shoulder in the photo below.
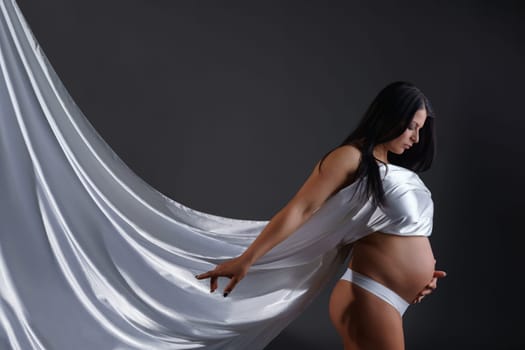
(328, 176)
(344, 158)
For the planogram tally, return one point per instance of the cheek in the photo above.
(403, 138)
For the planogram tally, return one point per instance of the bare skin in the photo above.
(403, 264)
(359, 316)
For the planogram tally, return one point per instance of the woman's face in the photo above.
(410, 135)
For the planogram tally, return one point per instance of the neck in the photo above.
(380, 153)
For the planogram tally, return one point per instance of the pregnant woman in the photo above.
(390, 268)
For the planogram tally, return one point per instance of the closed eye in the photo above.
(413, 126)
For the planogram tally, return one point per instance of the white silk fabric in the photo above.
(92, 257)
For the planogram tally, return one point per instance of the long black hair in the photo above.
(387, 117)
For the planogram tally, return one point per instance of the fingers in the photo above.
(429, 288)
(417, 300)
(433, 284)
(214, 275)
(439, 274)
(421, 295)
(426, 292)
(230, 286)
(213, 284)
(205, 275)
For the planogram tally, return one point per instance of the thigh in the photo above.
(363, 320)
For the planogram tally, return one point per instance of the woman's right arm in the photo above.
(337, 168)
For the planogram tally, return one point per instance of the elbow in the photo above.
(302, 212)
(309, 211)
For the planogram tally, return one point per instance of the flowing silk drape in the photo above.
(92, 257)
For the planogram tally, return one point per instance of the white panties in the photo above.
(377, 289)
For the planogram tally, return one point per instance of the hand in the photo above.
(429, 288)
(235, 269)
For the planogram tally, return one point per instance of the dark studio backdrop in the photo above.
(226, 106)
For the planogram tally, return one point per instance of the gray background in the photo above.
(225, 106)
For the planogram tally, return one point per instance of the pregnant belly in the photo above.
(403, 264)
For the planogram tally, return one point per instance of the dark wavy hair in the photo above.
(387, 117)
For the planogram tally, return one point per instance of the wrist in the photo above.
(247, 258)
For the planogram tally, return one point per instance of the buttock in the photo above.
(381, 291)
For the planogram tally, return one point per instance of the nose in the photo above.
(415, 136)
